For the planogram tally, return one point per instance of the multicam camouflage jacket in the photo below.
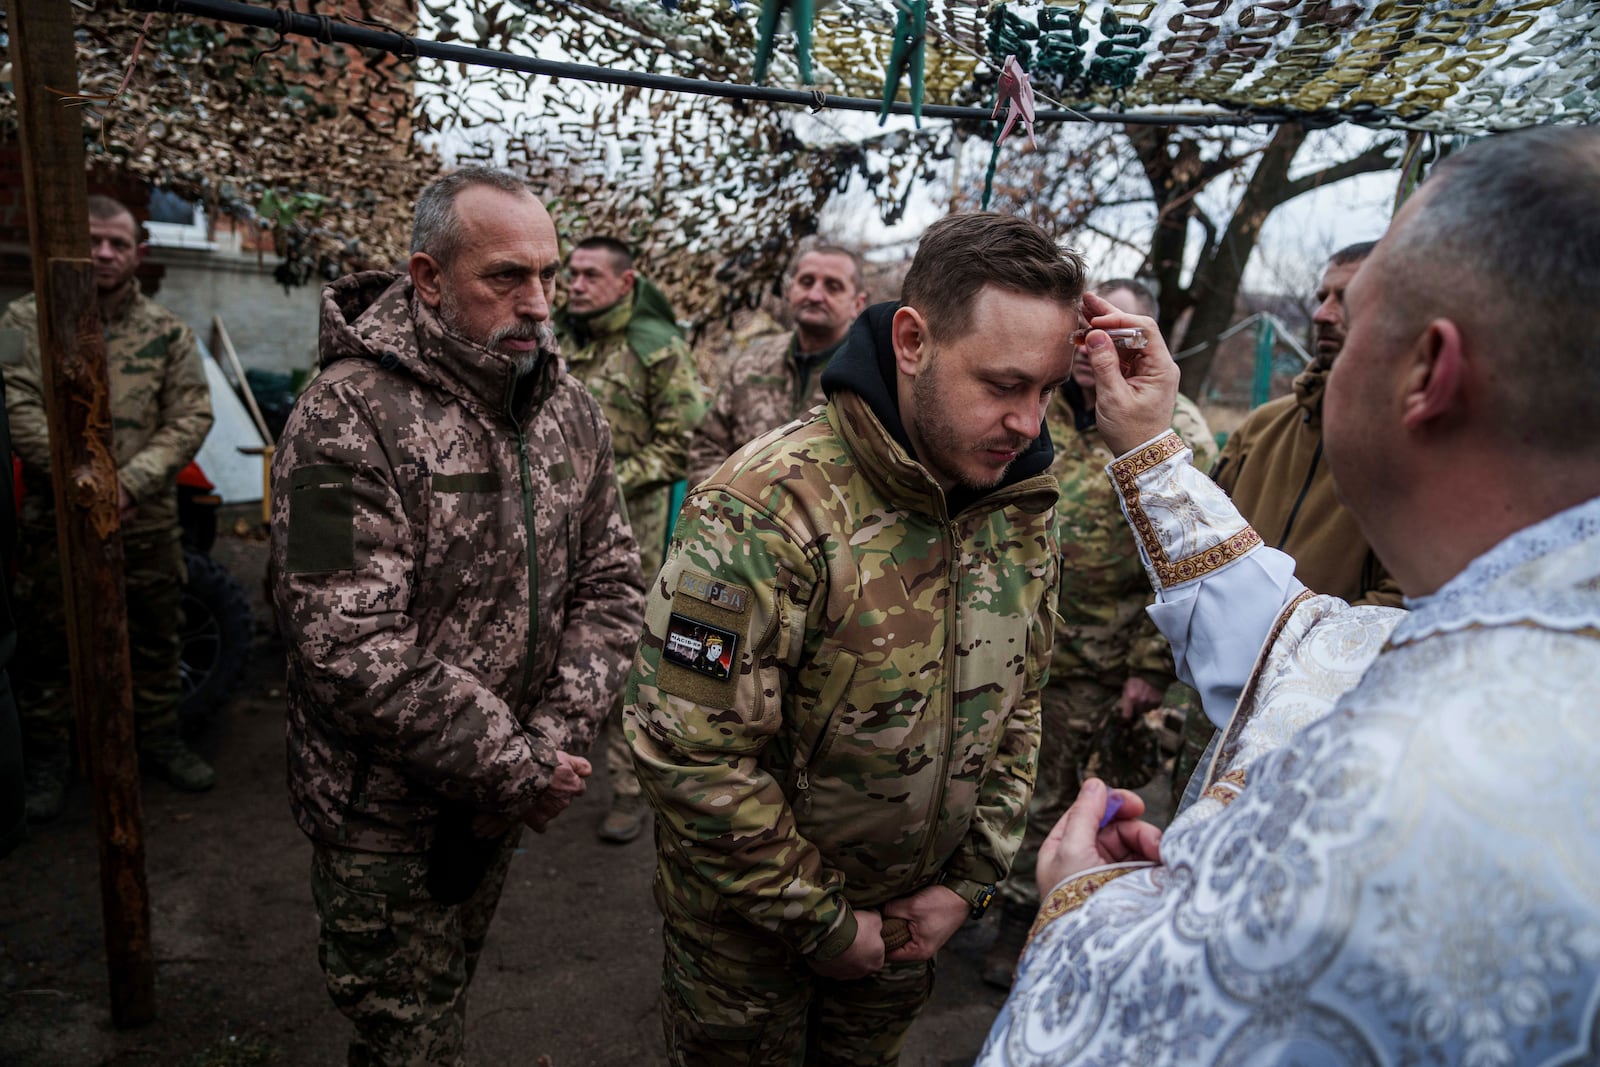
(1102, 631)
(160, 406)
(456, 584)
(837, 695)
(638, 367)
(763, 387)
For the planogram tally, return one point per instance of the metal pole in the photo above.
(1261, 389)
(84, 474)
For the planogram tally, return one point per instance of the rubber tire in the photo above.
(217, 632)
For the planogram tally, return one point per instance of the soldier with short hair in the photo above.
(1111, 665)
(778, 378)
(835, 707)
(459, 593)
(160, 414)
(620, 339)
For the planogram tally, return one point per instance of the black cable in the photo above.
(326, 30)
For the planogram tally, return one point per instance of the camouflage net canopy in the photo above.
(331, 143)
(1438, 65)
(311, 144)
(715, 194)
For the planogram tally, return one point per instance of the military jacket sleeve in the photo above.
(185, 406)
(345, 557)
(675, 403)
(30, 430)
(712, 440)
(604, 613)
(725, 619)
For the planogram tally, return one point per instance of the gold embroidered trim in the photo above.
(1071, 895)
(1158, 451)
(1202, 564)
(1125, 472)
(1227, 788)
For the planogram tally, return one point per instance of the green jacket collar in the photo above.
(647, 320)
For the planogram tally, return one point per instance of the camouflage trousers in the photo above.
(153, 578)
(735, 996)
(396, 961)
(619, 757)
(1082, 736)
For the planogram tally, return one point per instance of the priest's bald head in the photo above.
(1466, 402)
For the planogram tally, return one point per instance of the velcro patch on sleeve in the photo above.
(13, 346)
(700, 647)
(713, 591)
(322, 520)
(705, 651)
(470, 482)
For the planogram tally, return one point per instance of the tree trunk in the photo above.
(1214, 288)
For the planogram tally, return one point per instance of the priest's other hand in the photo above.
(1078, 842)
(1135, 389)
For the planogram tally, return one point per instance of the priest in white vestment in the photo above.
(1394, 857)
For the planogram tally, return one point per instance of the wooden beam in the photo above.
(84, 474)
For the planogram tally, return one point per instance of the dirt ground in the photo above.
(568, 977)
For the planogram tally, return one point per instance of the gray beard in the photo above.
(450, 315)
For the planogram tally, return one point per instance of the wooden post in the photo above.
(84, 474)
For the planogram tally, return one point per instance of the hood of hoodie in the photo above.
(864, 366)
(1308, 387)
(375, 315)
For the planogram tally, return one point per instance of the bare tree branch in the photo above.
(1375, 158)
(1113, 238)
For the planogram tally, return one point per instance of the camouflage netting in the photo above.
(1461, 67)
(715, 193)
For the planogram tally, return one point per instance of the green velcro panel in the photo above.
(13, 345)
(699, 687)
(322, 520)
(470, 482)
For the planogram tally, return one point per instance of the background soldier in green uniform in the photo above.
(1111, 664)
(160, 414)
(835, 707)
(619, 339)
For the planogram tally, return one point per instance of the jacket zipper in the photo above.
(1000, 500)
(1294, 512)
(948, 706)
(525, 477)
(802, 782)
(525, 474)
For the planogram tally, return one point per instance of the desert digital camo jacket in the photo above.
(456, 584)
(160, 405)
(765, 386)
(1102, 631)
(837, 694)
